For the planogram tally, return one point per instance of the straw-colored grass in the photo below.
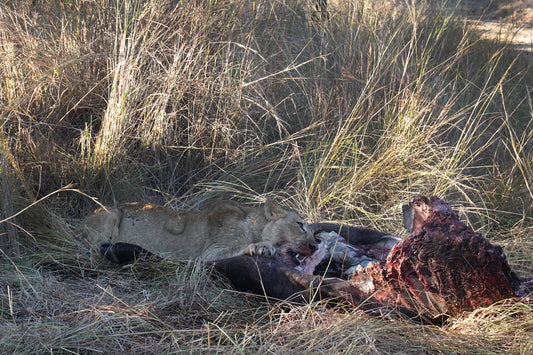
(343, 117)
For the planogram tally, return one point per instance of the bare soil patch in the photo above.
(506, 20)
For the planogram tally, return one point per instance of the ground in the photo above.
(510, 20)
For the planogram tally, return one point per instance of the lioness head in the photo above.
(288, 233)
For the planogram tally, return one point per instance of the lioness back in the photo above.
(222, 230)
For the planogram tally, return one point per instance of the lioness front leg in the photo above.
(265, 249)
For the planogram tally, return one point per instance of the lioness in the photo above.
(222, 230)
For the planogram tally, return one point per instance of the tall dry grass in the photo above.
(342, 116)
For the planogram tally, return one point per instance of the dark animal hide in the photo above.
(124, 253)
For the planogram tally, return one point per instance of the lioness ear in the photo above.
(273, 211)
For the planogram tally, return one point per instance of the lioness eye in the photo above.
(301, 225)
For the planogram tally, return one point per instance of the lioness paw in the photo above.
(266, 250)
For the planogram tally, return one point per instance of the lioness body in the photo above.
(224, 229)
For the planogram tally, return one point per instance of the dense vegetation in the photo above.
(343, 115)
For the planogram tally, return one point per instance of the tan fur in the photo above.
(224, 229)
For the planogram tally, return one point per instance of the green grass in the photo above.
(179, 102)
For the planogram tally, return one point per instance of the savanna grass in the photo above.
(343, 115)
